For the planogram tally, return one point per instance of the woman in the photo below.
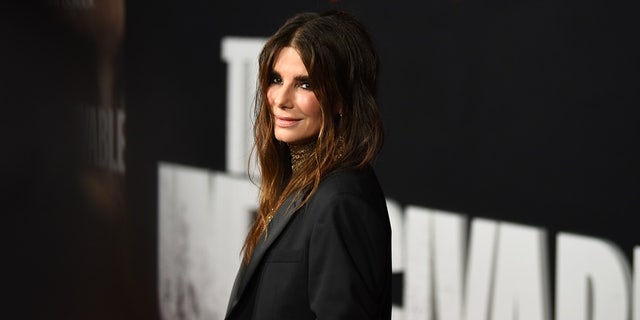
(320, 247)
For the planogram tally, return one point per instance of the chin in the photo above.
(286, 137)
(290, 137)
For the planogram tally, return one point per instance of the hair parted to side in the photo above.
(343, 68)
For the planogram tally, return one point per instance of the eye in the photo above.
(305, 85)
(275, 79)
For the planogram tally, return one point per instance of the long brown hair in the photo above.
(343, 67)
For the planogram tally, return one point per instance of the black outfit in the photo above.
(329, 260)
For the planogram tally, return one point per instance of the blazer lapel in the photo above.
(279, 221)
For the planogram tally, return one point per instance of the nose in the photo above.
(280, 96)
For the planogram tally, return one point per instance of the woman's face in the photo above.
(295, 108)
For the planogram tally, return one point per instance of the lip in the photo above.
(285, 122)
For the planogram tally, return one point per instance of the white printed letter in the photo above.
(592, 280)
(241, 56)
(480, 267)
(520, 284)
(418, 299)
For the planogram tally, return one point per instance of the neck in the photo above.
(300, 153)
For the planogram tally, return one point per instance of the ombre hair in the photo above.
(342, 64)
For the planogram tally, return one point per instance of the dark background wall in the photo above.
(518, 111)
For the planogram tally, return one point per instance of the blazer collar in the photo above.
(277, 224)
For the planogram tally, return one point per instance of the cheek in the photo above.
(311, 106)
(315, 114)
(270, 96)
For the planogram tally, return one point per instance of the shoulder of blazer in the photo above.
(358, 182)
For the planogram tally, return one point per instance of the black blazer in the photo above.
(329, 260)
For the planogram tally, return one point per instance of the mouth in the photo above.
(285, 122)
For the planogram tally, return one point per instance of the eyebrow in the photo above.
(299, 78)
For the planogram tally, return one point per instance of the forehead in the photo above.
(288, 61)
